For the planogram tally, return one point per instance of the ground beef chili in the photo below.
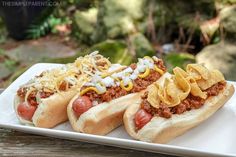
(214, 90)
(21, 92)
(32, 98)
(138, 85)
(64, 85)
(45, 94)
(191, 102)
(162, 111)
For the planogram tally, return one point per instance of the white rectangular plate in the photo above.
(214, 137)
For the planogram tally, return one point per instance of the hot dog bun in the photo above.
(161, 130)
(43, 100)
(102, 118)
(50, 112)
(105, 117)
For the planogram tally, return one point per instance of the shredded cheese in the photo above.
(73, 74)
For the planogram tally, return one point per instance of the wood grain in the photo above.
(14, 143)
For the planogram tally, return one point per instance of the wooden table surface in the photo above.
(14, 143)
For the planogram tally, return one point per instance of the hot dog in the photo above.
(42, 101)
(99, 106)
(171, 107)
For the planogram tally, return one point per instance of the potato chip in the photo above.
(195, 89)
(153, 98)
(198, 71)
(171, 94)
(204, 78)
(182, 82)
(163, 94)
(177, 88)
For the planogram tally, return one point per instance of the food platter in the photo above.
(214, 137)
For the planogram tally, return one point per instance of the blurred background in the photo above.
(179, 31)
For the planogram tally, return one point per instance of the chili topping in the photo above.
(184, 91)
(131, 79)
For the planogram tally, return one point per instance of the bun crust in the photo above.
(103, 118)
(161, 130)
(50, 112)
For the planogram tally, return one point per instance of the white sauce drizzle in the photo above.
(125, 75)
